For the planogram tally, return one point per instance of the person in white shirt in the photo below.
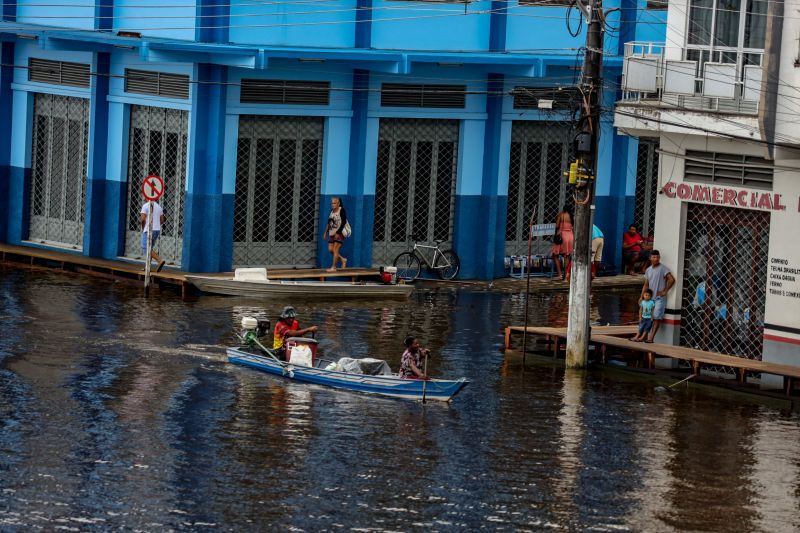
(158, 220)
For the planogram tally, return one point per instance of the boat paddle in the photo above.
(425, 373)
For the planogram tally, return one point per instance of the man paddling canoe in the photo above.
(411, 364)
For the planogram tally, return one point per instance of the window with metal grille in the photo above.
(418, 95)
(59, 72)
(729, 169)
(563, 98)
(646, 193)
(539, 154)
(724, 280)
(156, 83)
(285, 92)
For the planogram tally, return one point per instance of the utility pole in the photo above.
(581, 177)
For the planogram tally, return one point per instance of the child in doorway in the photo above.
(645, 316)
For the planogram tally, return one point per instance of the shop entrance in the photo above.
(415, 185)
(157, 145)
(539, 156)
(725, 280)
(278, 179)
(58, 169)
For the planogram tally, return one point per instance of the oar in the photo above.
(425, 373)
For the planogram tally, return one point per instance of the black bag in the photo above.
(557, 239)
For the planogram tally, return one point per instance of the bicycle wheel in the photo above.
(447, 264)
(408, 266)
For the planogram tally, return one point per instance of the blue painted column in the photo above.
(494, 197)
(228, 198)
(360, 206)
(95, 223)
(335, 183)
(213, 22)
(19, 182)
(203, 228)
(363, 37)
(612, 175)
(365, 174)
(471, 215)
(115, 188)
(6, 99)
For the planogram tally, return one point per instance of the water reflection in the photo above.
(118, 411)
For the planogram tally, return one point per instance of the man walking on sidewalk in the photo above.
(658, 279)
(158, 220)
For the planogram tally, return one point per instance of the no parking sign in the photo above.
(152, 187)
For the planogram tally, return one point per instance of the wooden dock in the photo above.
(608, 339)
(545, 283)
(133, 271)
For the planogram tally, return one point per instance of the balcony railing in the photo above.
(723, 87)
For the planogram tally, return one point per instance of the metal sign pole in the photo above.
(149, 247)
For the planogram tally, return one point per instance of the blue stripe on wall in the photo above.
(6, 107)
(19, 194)
(116, 204)
(203, 225)
(363, 38)
(94, 226)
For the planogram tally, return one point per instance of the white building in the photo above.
(722, 97)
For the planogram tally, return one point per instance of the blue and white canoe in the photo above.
(393, 386)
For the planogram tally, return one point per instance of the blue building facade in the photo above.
(450, 121)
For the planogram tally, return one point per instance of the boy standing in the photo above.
(645, 316)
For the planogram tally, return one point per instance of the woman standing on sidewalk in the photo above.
(562, 241)
(337, 221)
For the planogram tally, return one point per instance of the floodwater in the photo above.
(119, 413)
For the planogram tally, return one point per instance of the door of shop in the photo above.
(58, 169)
(278, 179)
(157, 145)
(415, 185)
(540, 154)
(725, 280)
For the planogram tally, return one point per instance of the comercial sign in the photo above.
(708, 194)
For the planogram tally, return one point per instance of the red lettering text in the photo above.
(701, 194)
(742, 198)
(765, 202)
(669, 190)
(728, 196)
(777, 203)
(684, 191)
(716, 195)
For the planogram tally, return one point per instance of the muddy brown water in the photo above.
(119, 413)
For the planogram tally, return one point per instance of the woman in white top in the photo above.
(336, 223)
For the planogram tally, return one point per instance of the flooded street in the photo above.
(119, 412)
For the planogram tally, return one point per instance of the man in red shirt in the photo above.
(287, 327)
(631, 248)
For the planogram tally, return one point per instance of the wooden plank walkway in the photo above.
(131, 270)
(538, 284)
(604, 338)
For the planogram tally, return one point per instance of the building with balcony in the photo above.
(718, 98)
(449, 120)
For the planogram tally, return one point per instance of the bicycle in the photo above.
(409, 264)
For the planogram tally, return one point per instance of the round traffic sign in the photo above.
(153, 187)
